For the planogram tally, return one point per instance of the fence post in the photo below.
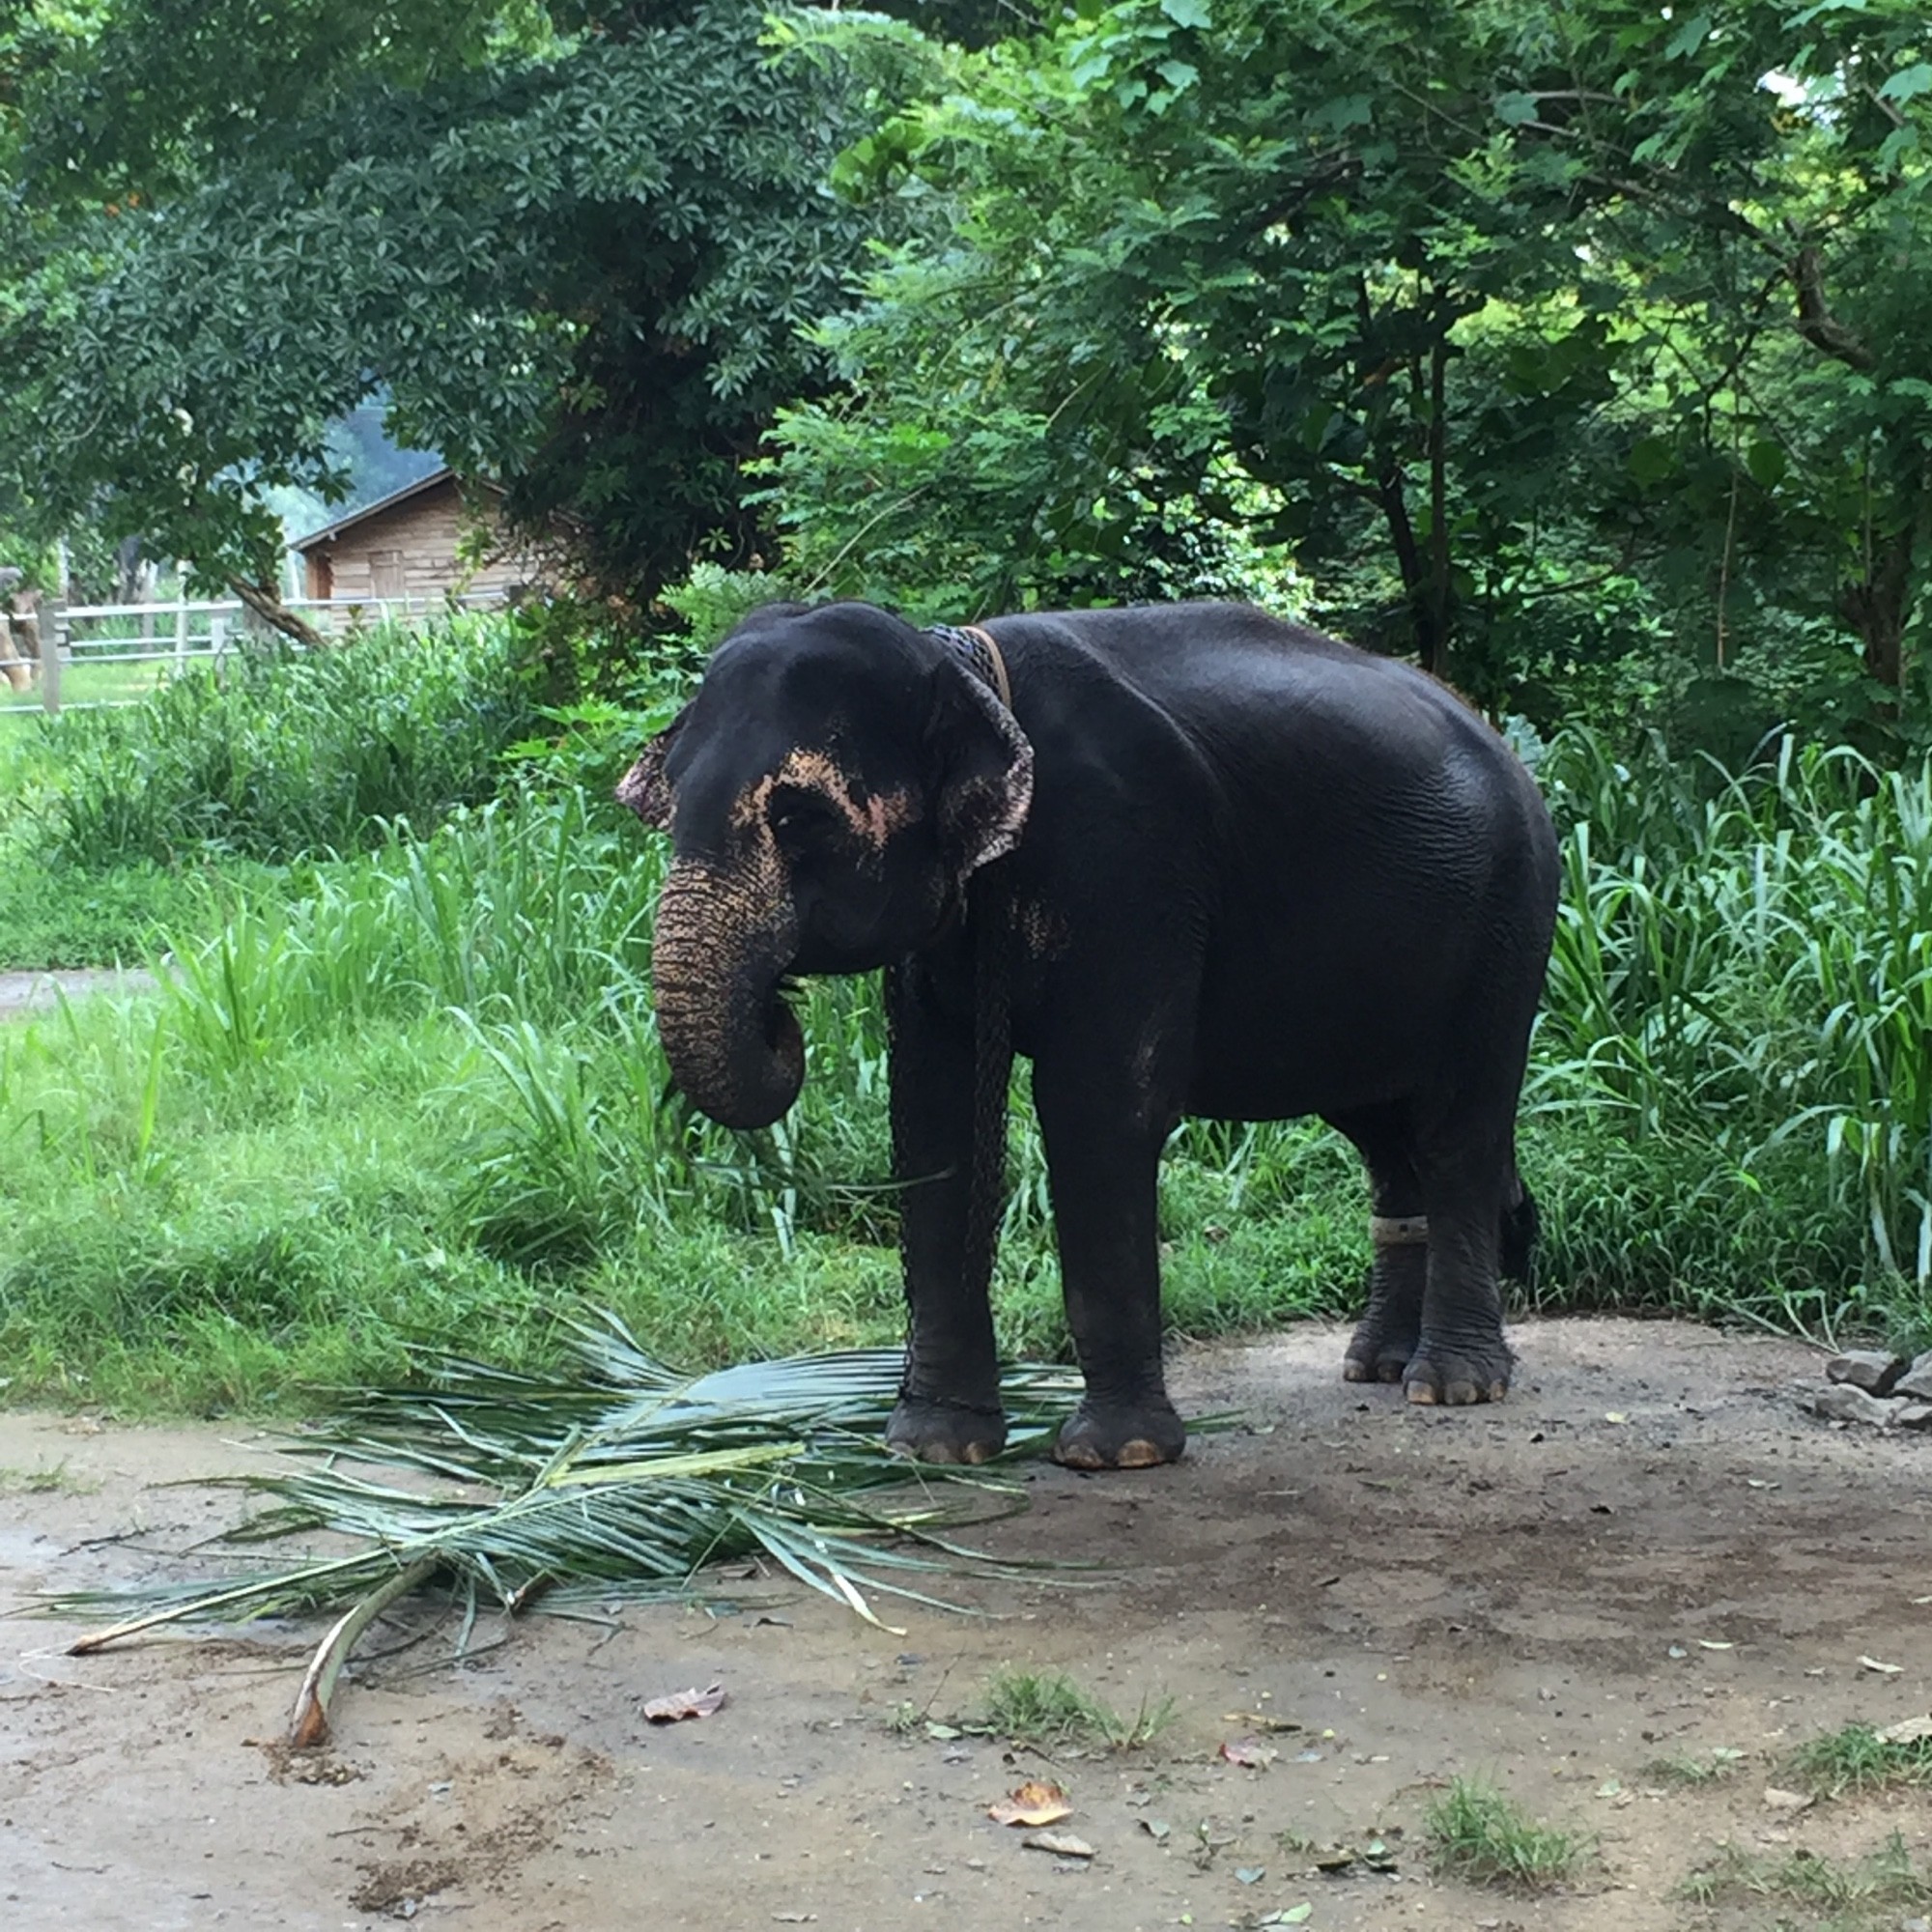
(217, 642)
(53, 647)
(181, 631)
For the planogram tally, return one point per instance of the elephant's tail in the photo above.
(1522, 1225)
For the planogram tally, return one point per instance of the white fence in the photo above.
(189, 632)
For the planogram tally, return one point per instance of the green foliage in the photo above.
(1743, 966)
(63, 915)
(1884, 1877)
(1569, 352)
(573, 248)
(418, 1092)
(1047, 1708)
(285, 753)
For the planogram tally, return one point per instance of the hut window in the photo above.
(386, 573)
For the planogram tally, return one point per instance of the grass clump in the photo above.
(1859, 1759)
(1048, 1708)
(1687, 1769)
(1478, 1834)
(1883, 1880)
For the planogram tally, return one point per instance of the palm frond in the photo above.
(623, 1480)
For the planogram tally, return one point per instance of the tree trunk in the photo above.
(264, 601)
(1876, 608)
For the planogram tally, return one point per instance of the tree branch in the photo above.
(1816, 322)
(262, 600)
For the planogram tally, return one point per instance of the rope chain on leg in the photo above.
(993, 1073)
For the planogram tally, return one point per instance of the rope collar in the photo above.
(978, 649)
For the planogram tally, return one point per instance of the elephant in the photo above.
(1188, 859)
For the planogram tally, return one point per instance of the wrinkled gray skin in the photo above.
(1253, 873)
(796, 852)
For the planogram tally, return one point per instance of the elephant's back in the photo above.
(1265, 701)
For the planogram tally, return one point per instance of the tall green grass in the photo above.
(112, 820)
(424, 1096)
(1743, 975)
(287, 753)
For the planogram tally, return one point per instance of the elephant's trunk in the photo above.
(722, 943)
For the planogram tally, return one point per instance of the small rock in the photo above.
(1062, 1844)
(1776, 1800)
(1872, 1370)
(1917, 1381)
(1912, 1415)
(1844, 1403)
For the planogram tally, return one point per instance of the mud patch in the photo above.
(399, 1888)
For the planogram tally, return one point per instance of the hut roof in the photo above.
(330, 531)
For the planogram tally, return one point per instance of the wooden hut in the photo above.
(407, 545)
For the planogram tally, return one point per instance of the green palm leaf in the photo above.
(623, 1480)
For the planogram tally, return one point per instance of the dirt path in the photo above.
(1495, 1592)
(37, 993)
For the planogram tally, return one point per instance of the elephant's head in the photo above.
(828, 791)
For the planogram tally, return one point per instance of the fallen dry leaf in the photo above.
(681, 1704)
(1776, 1800)
(1062, 1844)
(1254, 1756)
(1032, 1803)
(1906, 1731)
(1884, 1669)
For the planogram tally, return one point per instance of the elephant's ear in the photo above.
(982, 766)
(644, 789)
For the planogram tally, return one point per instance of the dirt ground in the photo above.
(24, 994)
(1648, 1550)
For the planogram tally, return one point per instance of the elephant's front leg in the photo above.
(949, 1408)
(1103, 1159)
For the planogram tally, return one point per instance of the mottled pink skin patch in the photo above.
(873, 822)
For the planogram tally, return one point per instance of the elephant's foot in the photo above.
(1387, 1336)
(945, 1431)
(1456, 1378)
(1379, 1350)
(1130, 1435)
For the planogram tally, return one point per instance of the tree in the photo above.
(575, 244)
(1492, 308)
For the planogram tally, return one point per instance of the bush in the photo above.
(288, 753)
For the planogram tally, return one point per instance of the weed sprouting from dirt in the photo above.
(1689, 1768)
(1478, 1834)
(50, 1480)
(1859, 1759)
(1046, 1708)
(1882, 1879)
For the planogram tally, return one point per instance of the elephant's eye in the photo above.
(798, 812)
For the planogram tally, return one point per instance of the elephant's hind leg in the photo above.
(1386, 1338)
(1460, 1356)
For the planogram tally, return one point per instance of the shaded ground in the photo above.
(1426, 1593)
